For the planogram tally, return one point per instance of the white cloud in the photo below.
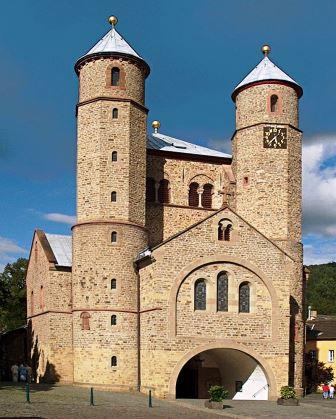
(60, 218)
(319, 186)
(9, 251)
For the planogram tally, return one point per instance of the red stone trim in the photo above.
(189, 157)
(118, 222)
(294, 86)
(122, 76)
(49, 311)
(111, 99)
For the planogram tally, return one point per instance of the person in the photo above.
(29, 373)
(325, 390)
(331, 391)
(15, 372)
(22, 373)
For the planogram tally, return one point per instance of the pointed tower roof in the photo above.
(111, 44)
(266, 71)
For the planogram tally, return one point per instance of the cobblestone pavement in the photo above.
(62, 402)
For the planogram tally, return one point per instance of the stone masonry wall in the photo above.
(171, 329)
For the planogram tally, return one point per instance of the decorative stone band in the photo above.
(265, 123)
(114, 310)
(296, 87)
(112, 99)
(119, 222)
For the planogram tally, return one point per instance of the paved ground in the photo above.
(63, 402)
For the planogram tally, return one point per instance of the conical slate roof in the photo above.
(266, 70)
(113, 42)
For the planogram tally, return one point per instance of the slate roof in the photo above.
(62, 248)
(266, 70)
(321, 328)
(113, 42)
(157, 141)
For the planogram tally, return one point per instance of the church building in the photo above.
(184, 268)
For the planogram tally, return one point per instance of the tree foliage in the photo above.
(13, 295)
(316, 373)
(321, 288)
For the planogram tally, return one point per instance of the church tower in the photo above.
(267, 159)
(111, 174)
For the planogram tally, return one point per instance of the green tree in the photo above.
(13, 295)
(321, 288)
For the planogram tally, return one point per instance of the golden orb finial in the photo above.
(113, 20)
(156, 125)
(266, 49)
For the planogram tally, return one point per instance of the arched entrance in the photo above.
(238, 372)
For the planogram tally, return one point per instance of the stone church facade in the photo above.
(184, 268)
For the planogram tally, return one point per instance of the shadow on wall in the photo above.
(294, 311)
(38, 361)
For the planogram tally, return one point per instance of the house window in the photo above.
(114, 196)
(193, 194)
(113, 361)
(114, 237)
(115, 76)
(85, 317)
(244, 297)
(222, 292)
(115, 113)
(200, 295)
(164, 192)
(331, 355)
(274, 103)
(113, 320)
(207, 196)
(150, 189)
(312, 354)
(114, 156)
(113, 284)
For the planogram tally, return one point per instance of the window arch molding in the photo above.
(122, 76)
(85, 319)
(164, 191)
(224, 230)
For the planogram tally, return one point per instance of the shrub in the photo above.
(218, 393)
(287, 392)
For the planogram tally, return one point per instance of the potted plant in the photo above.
(217, 395)
(288, 397)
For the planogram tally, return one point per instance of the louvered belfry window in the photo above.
(244, 297)
(150, 189)
(200, 295)
(222, 292)
(274, 103)
(227, 232)
(207, 196)
(193, 194)
(163, 192)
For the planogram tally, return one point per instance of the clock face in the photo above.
(275, 137)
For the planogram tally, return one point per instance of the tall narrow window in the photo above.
(114, 196)
(32, 303)
(200, 295)
(207, 196)
(220, 232)
(113, 284)
(115, 76)
(244, 297)
(85, 317)
(114, 237)
(274, 103)
(150, 189)
(41, 297)
(164, 192)
(115, 113)
(113, 361)
(222, 292)
(193, 194)
(113, 320)
(331, 355)
(227, 233)
(114, 156)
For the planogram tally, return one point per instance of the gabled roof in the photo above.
(321, 328)
(113, 42)
(61, 247)
(266, 70)
(156, 141)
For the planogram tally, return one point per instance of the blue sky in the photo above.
(198, 51)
